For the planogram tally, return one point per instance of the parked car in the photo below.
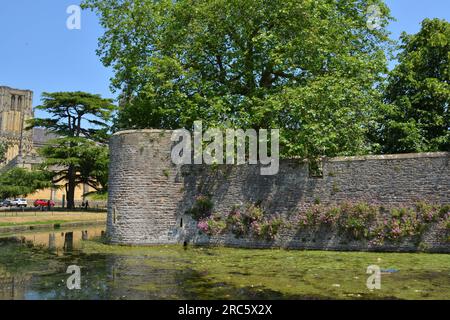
(5, 203)
(43, 203)
(19, 202)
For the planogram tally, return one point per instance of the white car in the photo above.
(19, 202)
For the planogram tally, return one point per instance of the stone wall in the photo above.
(149, 196)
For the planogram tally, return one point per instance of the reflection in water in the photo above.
(104, 276)
(52, 242)
(68, 242)
(18, 281)
(57, 242)
(33, 266)
(12, 286)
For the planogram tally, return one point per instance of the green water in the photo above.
(33, 268)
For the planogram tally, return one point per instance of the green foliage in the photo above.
(268, 229)
(3, 150)
(252, 214)
(251, 221)
(213, 225)
(374, 223)
(354, 220)
(306, 67)
(417, 117)
(21, 182)
(78, 155)
(83, 160)
(97, 195)
(236, 224)
(75, 114)
(202, 208)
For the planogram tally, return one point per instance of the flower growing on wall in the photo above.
(372, 222)
(203, 226)
(355, 221)
(235, 223)
(212, 225)
(202, 207)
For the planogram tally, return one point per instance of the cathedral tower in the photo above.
(16, 107)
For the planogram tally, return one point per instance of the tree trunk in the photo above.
(70, 188)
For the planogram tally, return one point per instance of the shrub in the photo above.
(235, 223)
(355, 220)
(253, 221)
(444, 212)
(252, 214)
(266, 229)
(212, 225)
(271, 228)
(202, 208)
(330, 216)
(427, 212)
(374, 223)
(310, 216)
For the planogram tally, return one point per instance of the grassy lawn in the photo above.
(29, 218)
(32, 223)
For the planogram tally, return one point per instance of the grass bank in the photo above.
(25, 220)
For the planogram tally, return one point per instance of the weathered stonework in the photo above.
(149, 195)
(16, 107)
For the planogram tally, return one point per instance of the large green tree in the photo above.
(80, 120)
(307, 67)
(416, 115)
(21, 182)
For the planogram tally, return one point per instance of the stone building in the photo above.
(16, 107)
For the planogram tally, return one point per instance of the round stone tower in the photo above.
(144, 192)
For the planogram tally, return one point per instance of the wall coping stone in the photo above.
(332, 159)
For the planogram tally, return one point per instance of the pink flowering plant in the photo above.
(251, 221)
(446, 223)
(213, 225)
(355, 221)
(270, 228)
(254, 222)
(318, 216)
(427, 212)
(251, 214)
(235, 222)
(203, 226)
(372, 222)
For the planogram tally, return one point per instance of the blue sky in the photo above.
(39, 53)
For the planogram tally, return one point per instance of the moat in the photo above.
(33, 267)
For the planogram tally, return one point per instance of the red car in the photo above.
(44, 203)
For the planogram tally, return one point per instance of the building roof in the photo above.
(41, 136)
